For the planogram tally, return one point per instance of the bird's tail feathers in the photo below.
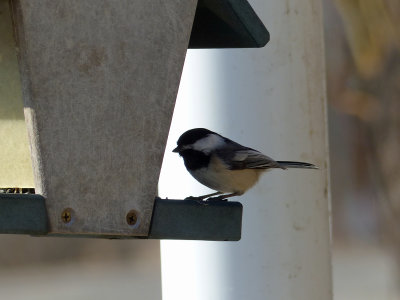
(296, 164)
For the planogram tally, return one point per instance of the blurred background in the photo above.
(363, 85)
(362, 40)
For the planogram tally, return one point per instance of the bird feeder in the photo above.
(99, 83)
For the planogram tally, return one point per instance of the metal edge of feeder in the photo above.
(227, 24)
(23, 214)
(194, 220)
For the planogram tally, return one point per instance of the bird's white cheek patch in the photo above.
(209, 143)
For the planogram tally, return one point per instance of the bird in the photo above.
(224, 165)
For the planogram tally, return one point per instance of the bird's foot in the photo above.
(199, 200)
(217, 199)
(193, 198)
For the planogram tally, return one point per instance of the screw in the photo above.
(66, 215)
(131, 217)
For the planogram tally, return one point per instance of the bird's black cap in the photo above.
(191, 136)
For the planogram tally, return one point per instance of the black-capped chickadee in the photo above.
(224, 165)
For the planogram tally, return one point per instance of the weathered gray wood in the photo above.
(100, 78)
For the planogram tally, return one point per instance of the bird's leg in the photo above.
(223, 197)
(201, 198)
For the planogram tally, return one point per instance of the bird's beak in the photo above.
(176, 150)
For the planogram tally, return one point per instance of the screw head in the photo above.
(66, 215)
(131, 217)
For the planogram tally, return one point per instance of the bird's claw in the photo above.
(198, 200)
(217, 199)
(192, 198)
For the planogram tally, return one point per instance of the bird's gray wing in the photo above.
(246, 158)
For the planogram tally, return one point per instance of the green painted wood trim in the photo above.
(227, 24)
(172, 219)
(23, 214)
(193, 220)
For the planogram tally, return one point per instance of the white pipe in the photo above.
(273, 100)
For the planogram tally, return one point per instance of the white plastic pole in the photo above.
(273, 100)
